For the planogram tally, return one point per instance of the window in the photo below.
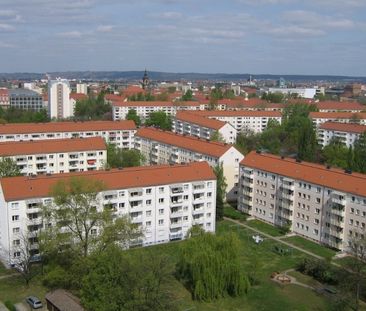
(148, 213)
(121, 205)
(161, 222)
(121, 194)
(161, 189)
(15, 217)
(16, 254)
(16, 242)
(148, 224)
(148, 191)
(318, 200)
(161, 200)
(209, 194)
(15, 205)
(16, 230)
(161, 211)
(148, 202)
(93, 231)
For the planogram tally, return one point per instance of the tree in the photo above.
(77, 223)
(359, 154)
(25, 262)
(171, 89)
(187, 96)
(248, 141)
(9, 168)
(273, 97)
(209, 266)
(356, 264)
(121, 280)
(217, 136)
(337, 154)
(132, 115)
(307, 142)
(117, 157)
(220, 191)
(92, 108)
(159, 119)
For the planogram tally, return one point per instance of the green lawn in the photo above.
(310, 246)
(15, 290)
(257, 259)
(4, 271)
(233, 213)
(266, 228)
(305, 279)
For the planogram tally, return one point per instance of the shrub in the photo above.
(10, 305)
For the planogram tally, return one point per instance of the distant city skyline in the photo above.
(319, 37)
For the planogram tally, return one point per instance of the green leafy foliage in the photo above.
(16, 115)
(217, 136)
(132, 115)
(8, 168)
(144, 97)
(93, 108)
(187, 96)
(337, 154)
(117, 280)
(117, 157)
(274, 97)
(209, 266)
(159, 119)
(220, 191)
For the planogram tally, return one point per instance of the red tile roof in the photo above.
(343, 127)
(239, 113)
(194, 118)
(53, 127)
(195, 144)
(132, 90)
(142, 104)
(51, 146)
(78, 96)
(4, 92)
(334, 105)
(314, 173)
(18, 188)
(337, 115)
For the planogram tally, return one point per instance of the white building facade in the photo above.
(59, 105)
(195, 125)
(120, 133)
(160, 147)
(323, 204)
(319, 118)
(345, 132)
(164, 201)
(56, 156)
(244, 120)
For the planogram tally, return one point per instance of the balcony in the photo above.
(176, 189)
(176, 212)
(199, 221)
(175, 224)
(336, 233)
(34, 221)
(176, 200)
(337, 211)
(288, 184)
(247, 201)
(337, 221)
(135, 192)
(248, 173)
(198, 187)
(198, 198)
(338, 198)
(176, 236)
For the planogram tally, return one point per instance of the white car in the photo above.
(34, 302)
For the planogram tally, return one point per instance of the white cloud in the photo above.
(70, 34)
(105, 28)
(6, 28)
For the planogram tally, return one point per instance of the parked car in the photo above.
(34, 302)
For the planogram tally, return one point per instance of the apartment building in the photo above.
(56, 155)
(4, 98)
(244, 120)
(320, 203)
(195, 125)
(120, 108)
(59, 105)
(161, 147)
(334, 106)
(120, 133)
(25, 99)
(319, 118)
(347, 133)
(164, 201)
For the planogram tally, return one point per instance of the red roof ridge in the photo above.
(311, 172)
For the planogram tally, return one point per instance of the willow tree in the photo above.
(209, 266)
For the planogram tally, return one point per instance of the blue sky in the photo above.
(230, 36)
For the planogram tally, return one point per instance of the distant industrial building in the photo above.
(25, 99)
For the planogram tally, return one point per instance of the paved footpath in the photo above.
(277, 239)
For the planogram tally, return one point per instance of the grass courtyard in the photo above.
(260, 260)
